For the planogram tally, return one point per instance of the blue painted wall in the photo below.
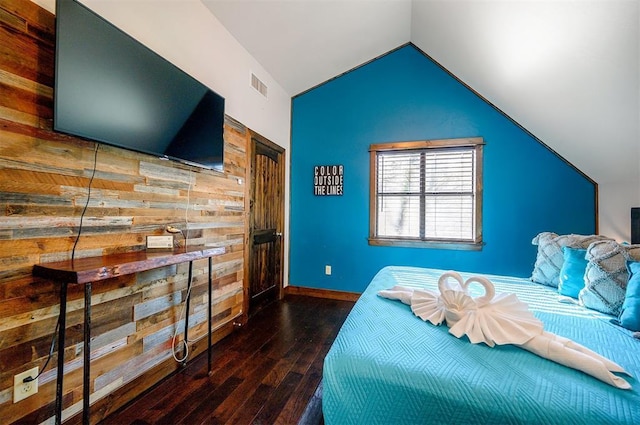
(405, 96)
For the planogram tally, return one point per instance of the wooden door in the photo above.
(266, 222)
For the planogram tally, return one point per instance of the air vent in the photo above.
(258, 85)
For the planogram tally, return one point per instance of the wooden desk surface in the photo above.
(92, 269)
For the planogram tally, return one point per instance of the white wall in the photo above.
(568, 71)
(186, 34)
(616, 200)
(617, 197)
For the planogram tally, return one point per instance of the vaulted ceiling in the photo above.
(567, 71)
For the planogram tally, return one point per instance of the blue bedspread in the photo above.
(387, 366)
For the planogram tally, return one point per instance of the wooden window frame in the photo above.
(475, 143)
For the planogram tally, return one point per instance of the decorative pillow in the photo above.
(630, 313)
(606, 275)
(571, 279)
(550, 258)
(633, 252)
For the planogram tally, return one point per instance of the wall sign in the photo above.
(327, 180)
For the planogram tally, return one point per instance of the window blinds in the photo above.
(426, 194)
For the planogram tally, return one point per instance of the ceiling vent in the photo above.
(258, 85)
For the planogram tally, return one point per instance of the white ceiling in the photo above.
(566, 70)
(303, 43)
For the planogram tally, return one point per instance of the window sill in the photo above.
(408, 243)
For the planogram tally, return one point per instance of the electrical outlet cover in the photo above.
(159, 242)
(21, 389)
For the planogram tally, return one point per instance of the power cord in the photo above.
(53, 344)
(186, 210)
(175, 230)
(73, 255)
(175, 332)
(86, 205)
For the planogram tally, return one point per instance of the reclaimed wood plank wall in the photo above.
(44, 185)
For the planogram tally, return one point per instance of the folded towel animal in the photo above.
(500, 319)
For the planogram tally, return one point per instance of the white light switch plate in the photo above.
(159, 241)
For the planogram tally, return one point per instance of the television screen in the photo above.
(112, 89)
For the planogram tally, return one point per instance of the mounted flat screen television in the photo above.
(112, 89)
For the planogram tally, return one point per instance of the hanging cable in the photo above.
(53, 344)
(175, 332)
(86, 205)
(186, 210)
(175, 230)
(185, 235)
(73, 253)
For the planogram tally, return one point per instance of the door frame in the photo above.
(253, 138)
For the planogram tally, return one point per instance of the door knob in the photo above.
(278, 233)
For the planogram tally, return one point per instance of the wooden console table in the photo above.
(85, 271)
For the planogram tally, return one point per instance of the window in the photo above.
(427, 193)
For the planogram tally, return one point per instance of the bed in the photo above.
(387, 366)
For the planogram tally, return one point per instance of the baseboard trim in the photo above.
(321, 293)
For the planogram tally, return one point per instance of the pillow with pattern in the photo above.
(550, 258)
(606, 275)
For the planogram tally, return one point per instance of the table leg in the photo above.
(186, 315)
(62, 324)
(86, 373)
(209, 318)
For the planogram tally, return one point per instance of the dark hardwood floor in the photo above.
(267, 372)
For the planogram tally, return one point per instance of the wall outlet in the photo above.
(327, 270)
(159, 241)
(21, 389)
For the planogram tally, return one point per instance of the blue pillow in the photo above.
(572, 272)
(630, 314)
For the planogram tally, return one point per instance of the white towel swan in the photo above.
(500, 319)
